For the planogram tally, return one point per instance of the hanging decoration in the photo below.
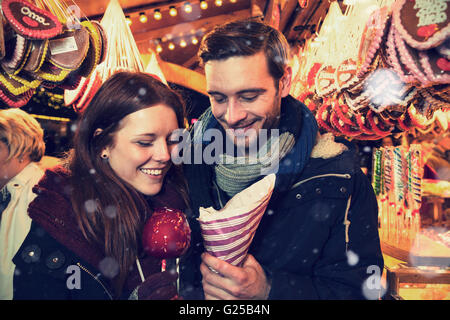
(120, 54)
(382, 67)
(44, 44)
(154, 69)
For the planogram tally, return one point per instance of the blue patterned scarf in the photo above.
(297, 137)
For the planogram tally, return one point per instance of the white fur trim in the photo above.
(326, 147)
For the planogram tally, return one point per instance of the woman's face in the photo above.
(142, 148)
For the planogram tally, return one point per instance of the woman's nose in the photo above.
(162, 152)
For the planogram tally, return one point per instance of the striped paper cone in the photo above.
(228, 233)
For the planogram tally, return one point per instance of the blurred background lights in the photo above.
(157, 14)
(142, 17)
(173, 11)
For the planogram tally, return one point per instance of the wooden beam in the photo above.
(303, 18)
(191, 61)
(183, 76)
(286, 13)
(185, 28)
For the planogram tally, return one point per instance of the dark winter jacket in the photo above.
(318, 238)
(56, 262)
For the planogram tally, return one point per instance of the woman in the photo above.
(85, 239)
(21, 148)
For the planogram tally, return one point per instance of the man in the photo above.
(318, 238)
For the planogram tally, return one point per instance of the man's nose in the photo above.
(234, 113)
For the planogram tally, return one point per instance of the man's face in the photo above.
(244, 96)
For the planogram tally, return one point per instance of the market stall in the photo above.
(375, 72)
(379, 72)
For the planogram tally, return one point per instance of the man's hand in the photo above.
(248, 282)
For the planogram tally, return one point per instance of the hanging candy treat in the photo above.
(377, 125)
(399, 183)
(437, 68)
(68, 50)
(394, 61)
(371, 39)
(423, 24)
(410, 57)
(37, 55)
(323, 117)
(345, 75)
(384, 88)
(388, 165)
(416, 175)
(325, 81)
(342, 120)
(376, 178)
(30, 21)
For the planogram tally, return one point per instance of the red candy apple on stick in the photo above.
(166, 234)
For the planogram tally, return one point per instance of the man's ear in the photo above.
(286, 82)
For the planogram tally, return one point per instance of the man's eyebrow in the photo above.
(251, 90)
(215, 92)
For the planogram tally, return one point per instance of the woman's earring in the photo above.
(104, 156)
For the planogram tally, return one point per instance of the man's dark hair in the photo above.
(246, 38)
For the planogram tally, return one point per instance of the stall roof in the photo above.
(299, 19)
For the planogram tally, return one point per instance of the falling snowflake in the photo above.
(90, 206)
(109, 267)
(142, 91)
(352, 258)
(111, 211)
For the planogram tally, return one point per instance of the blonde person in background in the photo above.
(21, 148)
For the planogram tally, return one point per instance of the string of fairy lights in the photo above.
(158, 14)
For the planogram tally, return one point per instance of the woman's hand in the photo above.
(159, 286)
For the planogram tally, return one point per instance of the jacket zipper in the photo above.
(345, 176)
(96, 279)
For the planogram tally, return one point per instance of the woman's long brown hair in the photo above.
(93, 178)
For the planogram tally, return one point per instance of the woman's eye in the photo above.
(144, 143)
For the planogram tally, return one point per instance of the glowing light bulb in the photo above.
(157, 14)
(203, 5)
(173, 11)
(142, 17)
(218, 3)
(187, 7)
(128, 20)
(183, 43)
(171, 46)
(233, 1)
(194, 40)
(158, 48)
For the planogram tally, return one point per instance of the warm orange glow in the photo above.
(142, 17)
(188, 7)
(157, 14)
(173, 11)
